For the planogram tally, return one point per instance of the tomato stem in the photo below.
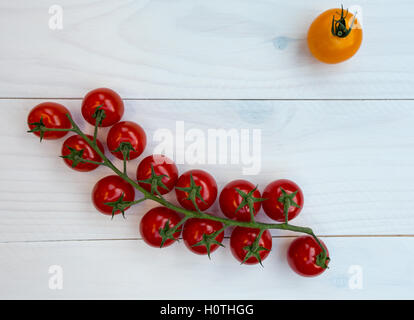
(125, 148)
(338, 27)
(99, 115)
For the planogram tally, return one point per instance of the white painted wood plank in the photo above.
(199, 49)
(354, 161)
(132, 270)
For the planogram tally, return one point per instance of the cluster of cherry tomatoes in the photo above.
(196, 190)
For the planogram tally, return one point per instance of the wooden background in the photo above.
(343, 132)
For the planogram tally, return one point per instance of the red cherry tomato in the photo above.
(274, 205)
(110, 189)
(156, 219)
(127, 131)
(302, 254)
(241, 238)
(163, 166)
(208, 189)
(78, 143)
(230, 200)
(109, 101)
(53, 115)
(194, 231)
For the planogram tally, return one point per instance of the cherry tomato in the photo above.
(242, 244)
(109, 101)
(230, 200)
(196, 231)
(329, 41)
(277, 194)
(154, 221)
(208, 190)
(110, 189)
(53, 115)
(163, 166)
(126, 131)
(77, 143)
(302, 256)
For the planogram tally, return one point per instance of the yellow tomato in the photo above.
(334, 36)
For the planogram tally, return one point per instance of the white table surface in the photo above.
(343, 132)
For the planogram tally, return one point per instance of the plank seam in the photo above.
(217, 99)
(140, 239)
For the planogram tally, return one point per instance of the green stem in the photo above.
(95, 132)
(53, 129)
(259, 236)
(181, 222)
(286, 207)
(137, 201)
(225, 226)
(94, 162)
(99, 115)
(188, 213)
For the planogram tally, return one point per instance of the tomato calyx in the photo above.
(194, 192)
(208, 240)
(287, 200)
(76, 156)
(155, 181)
(99, 114)
(125, 148)
(248, 200)
(41, 128)
(255, 249)
(322, 259)
(168, 233)
(339, 28)
(119, 205)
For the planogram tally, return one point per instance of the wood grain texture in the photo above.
(353, 159)
(132, 270)
(344, 133)
(199, 49)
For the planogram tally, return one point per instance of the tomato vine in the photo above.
(194, 193)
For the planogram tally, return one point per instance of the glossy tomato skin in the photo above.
(329, 48)
(208, 189)
(162, 166)
(230, 199)
(193, 232)
(273, 208)
(156, 219)
(53, 116)
(302, 255)
(110, 189)
(242, 237)
(111, 103)
(78, 143)
(127, 131)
